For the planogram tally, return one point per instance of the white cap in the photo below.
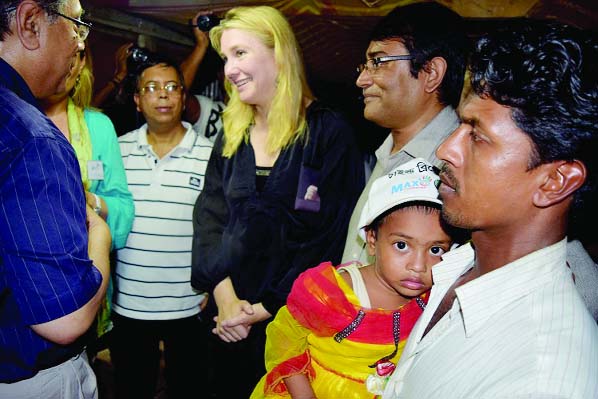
(412, 181)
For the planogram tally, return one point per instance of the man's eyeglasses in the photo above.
(83, 28)
(372, 64)
(170, 87)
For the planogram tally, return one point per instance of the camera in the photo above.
(137, 58)
(206, 22)
(138, 55)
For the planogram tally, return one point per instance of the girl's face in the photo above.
(408, 244)
(249, 66)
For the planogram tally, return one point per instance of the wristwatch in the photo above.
(98, 206)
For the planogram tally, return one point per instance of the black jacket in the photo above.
(259, 239)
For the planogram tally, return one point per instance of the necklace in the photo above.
(396, 330)
(376, 382)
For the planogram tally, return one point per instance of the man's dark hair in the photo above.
(8, 8)
(154, 59)
(547, 73)
(429, 30)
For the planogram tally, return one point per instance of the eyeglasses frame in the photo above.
(82, 26)
(179, 89)
(377, 61)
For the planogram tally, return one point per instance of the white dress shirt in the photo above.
(521, 331)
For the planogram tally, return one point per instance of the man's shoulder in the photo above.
(23, 120)
(438, 128)
(128, 143)
(201, 146)
(130, 137)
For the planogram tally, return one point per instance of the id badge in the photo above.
(95, 170)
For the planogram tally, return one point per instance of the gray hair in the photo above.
(8, 8)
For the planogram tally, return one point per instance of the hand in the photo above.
(90, 200)
(226, 336)
(98, 231)
(120, 61)
(258, 314)
(202, 39)
(232, 309)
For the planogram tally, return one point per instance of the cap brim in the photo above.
(365, 223)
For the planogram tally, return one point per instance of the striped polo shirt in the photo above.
(153, 270)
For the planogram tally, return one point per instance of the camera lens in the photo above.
(138, 55)
(207, 22)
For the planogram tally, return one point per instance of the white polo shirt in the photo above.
(521, 331)
(153, 270)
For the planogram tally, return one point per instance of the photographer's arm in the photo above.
(120, 74)
(190, 65)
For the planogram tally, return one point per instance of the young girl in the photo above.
(345, 326)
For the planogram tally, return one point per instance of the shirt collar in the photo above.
(482, 297)
(186, 144)
(425, 142)
(454, 263)
(13, 81)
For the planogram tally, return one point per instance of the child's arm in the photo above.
(299, 387)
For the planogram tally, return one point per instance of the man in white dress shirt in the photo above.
(411, 83)
(504, 319)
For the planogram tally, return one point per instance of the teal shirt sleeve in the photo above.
(113, 189)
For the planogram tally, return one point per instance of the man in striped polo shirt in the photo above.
(165, 161)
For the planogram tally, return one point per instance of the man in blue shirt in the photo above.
(49, 288)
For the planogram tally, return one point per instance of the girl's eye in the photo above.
(401, 245)
(239, 53)
(437, 251)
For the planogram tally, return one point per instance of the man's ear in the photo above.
(434, 73)
(560, 182)
(28, 21)
(136, 99)
(370, 241)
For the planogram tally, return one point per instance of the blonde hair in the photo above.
(286, 117)
(83, 90)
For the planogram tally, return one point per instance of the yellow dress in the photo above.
(326, 334)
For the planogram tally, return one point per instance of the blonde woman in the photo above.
(255, 229)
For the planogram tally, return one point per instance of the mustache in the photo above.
(449, 176)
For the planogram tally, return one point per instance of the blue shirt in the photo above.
(45, 271)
